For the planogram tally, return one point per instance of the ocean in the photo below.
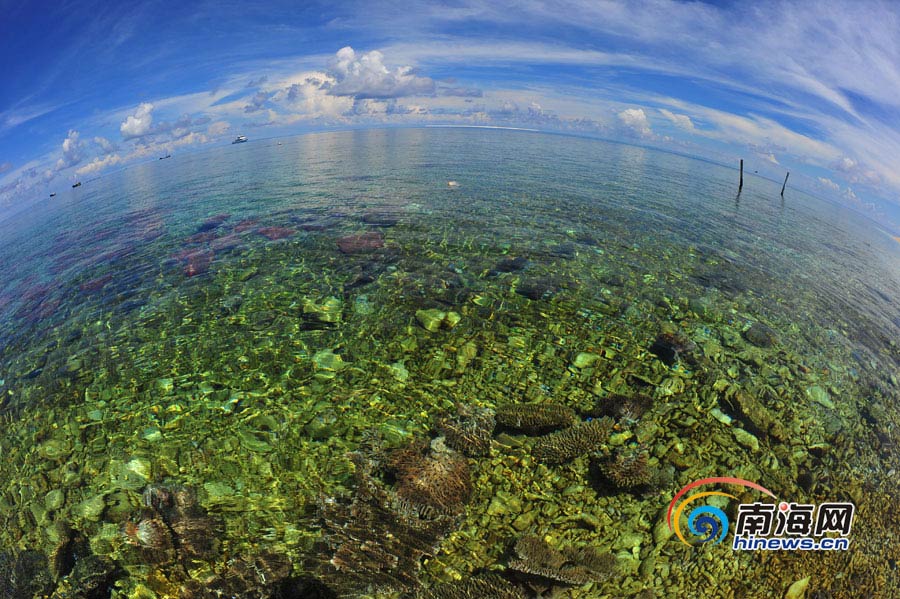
(451, 362)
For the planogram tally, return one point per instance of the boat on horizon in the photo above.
(240, 139)
(166, 156)
(77, 184)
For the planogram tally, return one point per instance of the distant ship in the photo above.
(240, 139)
(166, 156)
(77, 184)
(53, 195)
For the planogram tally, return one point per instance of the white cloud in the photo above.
(73, 151)
(635, 119)
(682, 121)
(856, 172)
(105, 145)
(218, 128)
(308, 97)
(139, 123)
(366, 76)
(98, 164)
(826, 183)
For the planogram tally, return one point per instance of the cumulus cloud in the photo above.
(635, 120)
(139, 123)
(73, 151)
(682, 121)
(366, 76)
(98, 164)
(310, 97)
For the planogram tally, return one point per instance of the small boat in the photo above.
(240, 139)
(166, 156)
(78, 184)
(53, 195)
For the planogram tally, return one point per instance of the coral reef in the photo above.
(535, 418)
(372, 539)
(574, 566)
(670, 346)
(485, 586)
(171, 526)
(567, 444)
(261, 576)
(628, 408)
(627, 468)
(431, 478)
(469, 431)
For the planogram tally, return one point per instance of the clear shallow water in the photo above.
(214, 322)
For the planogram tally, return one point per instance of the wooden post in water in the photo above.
(785, 183)
(741, 184)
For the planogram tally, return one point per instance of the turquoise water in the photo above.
(270, 326)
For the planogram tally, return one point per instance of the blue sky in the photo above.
(810, 87)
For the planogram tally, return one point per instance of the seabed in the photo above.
(380, 400)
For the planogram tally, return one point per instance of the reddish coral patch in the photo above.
(95, 284)
(358, 244)
(274, 233)
(198, 263)
(245, 225)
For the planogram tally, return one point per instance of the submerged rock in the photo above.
(760, 335)
(213, 222)
(379, 218)
(510, 265)
(538, 289)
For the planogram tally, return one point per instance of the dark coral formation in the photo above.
(671, 346)
(470, 430)
(628, 408)
(574, 566)
(24, 575)
(171, 526)
(431, 479)
(373, 539)
(567, 444)
(627, 468)
(262, 576)
(539, 289)
(535, 418)
(509, 265)
(485, 586)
